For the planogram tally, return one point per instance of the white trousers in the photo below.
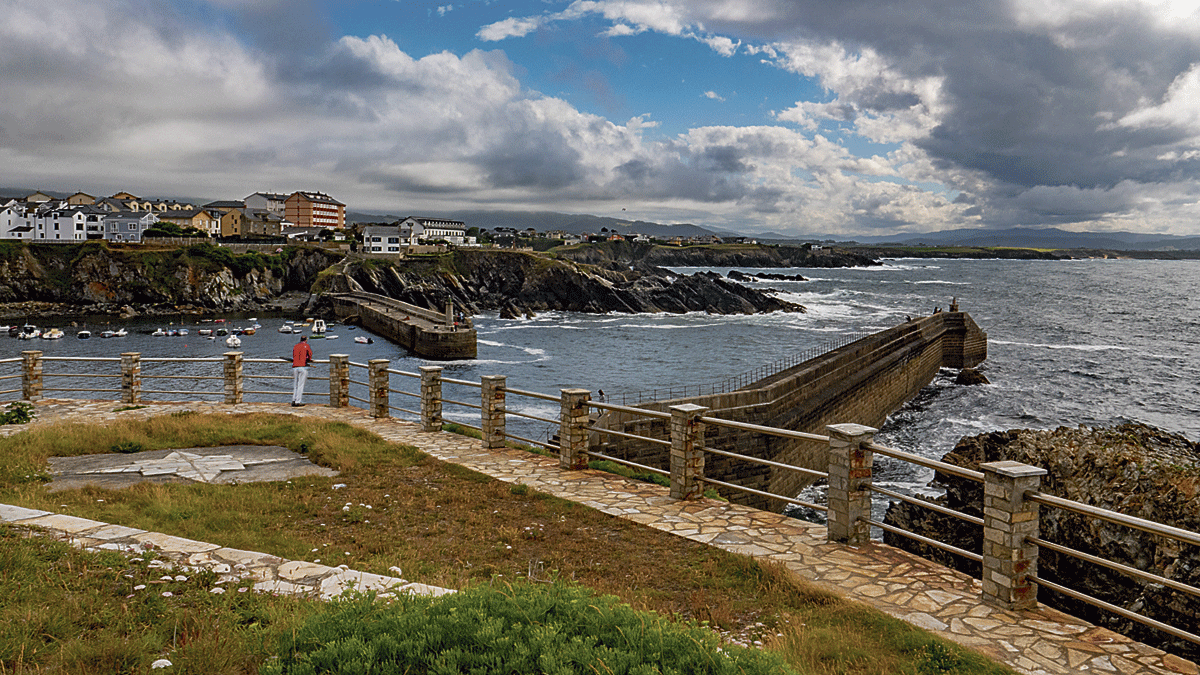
(299, 377)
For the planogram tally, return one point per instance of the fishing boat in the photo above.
(233, 341)
(331, 337)
(53, 334)
(318, 328)
(286, 328)
(222, 331)
(204, 331)
(84, 334)
(248, 331)
(121, 332)
(29, 332)
(183, 331)
(158, 332)
(363, 340)
(108, 333)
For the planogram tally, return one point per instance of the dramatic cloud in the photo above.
(929, 115)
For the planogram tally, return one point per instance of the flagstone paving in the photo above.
(921, 592)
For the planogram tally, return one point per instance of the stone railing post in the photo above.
(573, 429)
(1008, 518)
(687, 451)
(131, 377)
(379, 387)
(849, 483)
(31, 375)
(339, 380)
(431, 398)
(492, 414)
(233, 377)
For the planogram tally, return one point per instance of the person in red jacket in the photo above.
(301, 356)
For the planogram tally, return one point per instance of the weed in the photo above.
(17, 412)
(127, 447)
(128, 407)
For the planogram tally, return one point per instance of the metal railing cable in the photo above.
(760, 493)
(1119, 611)
(924, 540)
(1136, 523)
(622, 434)
(767, 462)
(934, 464)
(974, 520)
(626, 462)
(1117, 567)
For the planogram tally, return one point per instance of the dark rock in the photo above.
(494, 280)
(1132, 469)
(970, 376)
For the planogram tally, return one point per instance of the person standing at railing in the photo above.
(301, 356)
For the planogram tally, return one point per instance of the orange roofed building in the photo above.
(315, 209)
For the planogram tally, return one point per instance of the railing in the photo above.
(1011, 495)
(739, 381)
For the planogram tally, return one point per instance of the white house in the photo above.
(433, 229)
(383, 239)
(267, 201)
(14, 223)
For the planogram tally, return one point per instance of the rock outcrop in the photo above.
(519, 284)
(93, 278)
(1133, 469)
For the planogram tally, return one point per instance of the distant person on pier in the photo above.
(301, 356)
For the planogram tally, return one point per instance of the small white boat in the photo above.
(318, 327)
(159, 333)
(286, 328)
(121, 332)
(108, 333)
(84, 334)
(183, 331)
(233, 341)
(331, 337)
(363, 340)
(205, 331)
(29, 332)
(53, 334)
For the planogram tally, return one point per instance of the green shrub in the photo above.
(496, 628)
(127, 447)
(17, 412)
(628, 472)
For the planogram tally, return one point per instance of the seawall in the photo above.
(862, 382)
(426, 333)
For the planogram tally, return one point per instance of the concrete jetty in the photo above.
(426, 333)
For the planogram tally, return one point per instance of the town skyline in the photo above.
(793, 117)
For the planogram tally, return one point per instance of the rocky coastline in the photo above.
(728, 255)
(521, 284)
(1130, 468)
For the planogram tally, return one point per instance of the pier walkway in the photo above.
(938, 599)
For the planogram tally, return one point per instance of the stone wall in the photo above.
(860, 383)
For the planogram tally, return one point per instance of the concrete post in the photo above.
(131, 377)
(31, 375)
(339, 380)
(573, 429)
(233, 378)
(449, 313)
(687, 451)
(492, 412)
(379, 387)
(1008, 518)
(431, 398)
(849, 483)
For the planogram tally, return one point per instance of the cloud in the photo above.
(714, 96)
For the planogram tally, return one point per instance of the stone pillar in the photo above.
(379, 387)
(131, 377)
(339, 380)
(687, 451)
(449, 313)
(31, 375)
(492, 412)
(233, 377)
(1008, 518)
(431, 398)
(573, 429)
(849, 483)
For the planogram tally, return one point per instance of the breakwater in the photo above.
(862, 382)
(428, 334)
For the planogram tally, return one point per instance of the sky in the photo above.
(800, 117)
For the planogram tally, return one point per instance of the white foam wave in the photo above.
(1081, 348)
(942, 282)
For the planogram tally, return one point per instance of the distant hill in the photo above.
(546, 220)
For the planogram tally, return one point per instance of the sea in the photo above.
(1094, 342)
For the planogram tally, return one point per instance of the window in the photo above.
(393, 240)
(132, 226)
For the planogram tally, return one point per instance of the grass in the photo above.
(449, 526)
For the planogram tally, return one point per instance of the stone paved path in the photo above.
(898, 583)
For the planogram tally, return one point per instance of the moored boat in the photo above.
(158, 332)
(233, 341)
(53, 334)
(84, 334)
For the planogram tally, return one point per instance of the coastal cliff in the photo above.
(518, 283)
(1132, 469)
(93, 277)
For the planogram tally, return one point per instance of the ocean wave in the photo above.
(943, 282)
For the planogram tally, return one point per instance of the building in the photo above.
(314, 209)
(128, 226)
(261, 223)
(383, 239)
(205, 220)
(81, 199)
(424, 230)
(267, 201)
